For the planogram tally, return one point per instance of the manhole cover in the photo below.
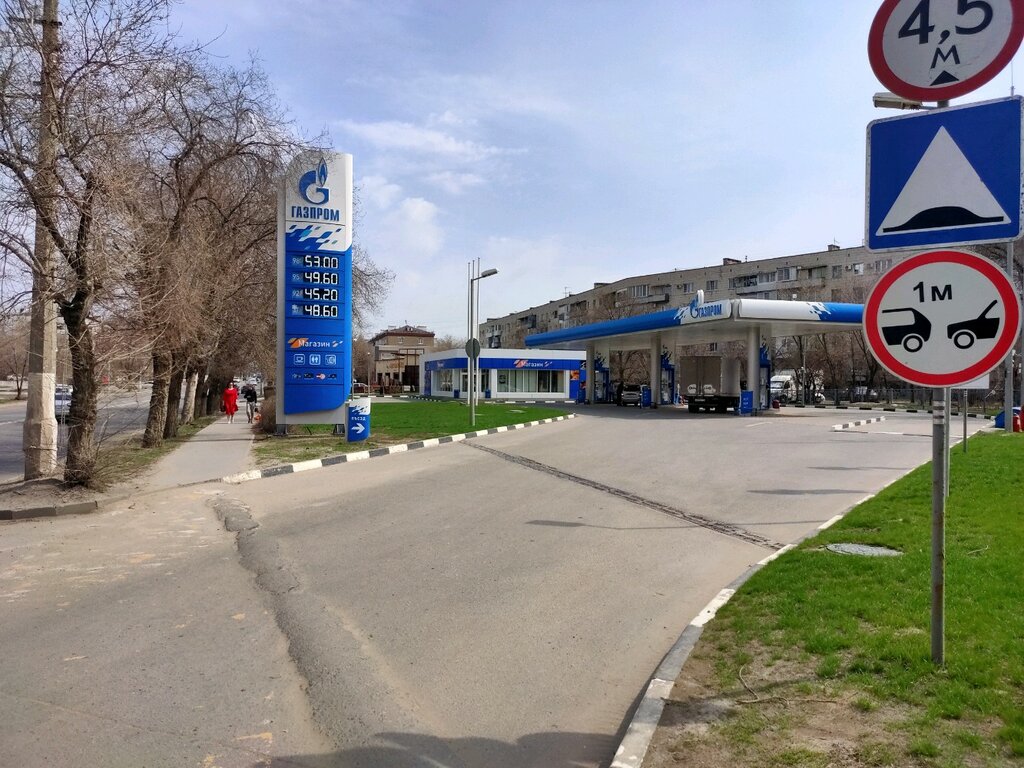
(862, 549)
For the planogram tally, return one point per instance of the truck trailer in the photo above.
(710, 383)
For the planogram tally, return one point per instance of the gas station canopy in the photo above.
(717, 321)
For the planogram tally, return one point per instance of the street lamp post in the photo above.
(473, 349)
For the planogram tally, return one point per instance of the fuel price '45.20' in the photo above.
(319, 294)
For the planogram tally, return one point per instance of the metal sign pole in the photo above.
(947, 400)
(963, 412)
(1008, 365)
(939, 468)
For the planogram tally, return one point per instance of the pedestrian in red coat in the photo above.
(229, 402)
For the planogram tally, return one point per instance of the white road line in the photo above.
(711, 608)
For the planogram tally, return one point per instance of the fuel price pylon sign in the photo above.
(942, 318)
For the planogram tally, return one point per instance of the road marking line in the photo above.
(709, 611)
(830, 522)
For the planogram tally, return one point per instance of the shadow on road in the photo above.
(415, 750)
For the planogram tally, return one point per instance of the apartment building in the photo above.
(834, 274)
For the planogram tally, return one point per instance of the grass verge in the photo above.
(121, 461)
(823, 659)
(393, 423)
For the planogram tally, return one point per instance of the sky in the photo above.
(571, 142)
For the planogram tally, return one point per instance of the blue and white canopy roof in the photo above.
(727, 320)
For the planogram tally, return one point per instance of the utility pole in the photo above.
(39, 438)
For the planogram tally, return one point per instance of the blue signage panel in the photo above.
(357, 426)
(948, 176)
(315, 297)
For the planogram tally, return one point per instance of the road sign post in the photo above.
(941, 319)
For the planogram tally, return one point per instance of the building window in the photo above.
(688, 288)
(639, 291)
(882, 264)
(858, 269)
(520, 380)
(743, 281)
(787, 274)
(766, 277)
(444, 381)
(837, 271)
(711, 285)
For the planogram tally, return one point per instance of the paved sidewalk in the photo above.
(219, 450)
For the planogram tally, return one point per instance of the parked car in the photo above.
(62, 401)
(630, 395)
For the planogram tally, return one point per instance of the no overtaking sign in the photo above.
(943, 318)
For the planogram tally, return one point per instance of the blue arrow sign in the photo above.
(945, 177)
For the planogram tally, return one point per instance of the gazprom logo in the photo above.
(313, 189)
(316, 181)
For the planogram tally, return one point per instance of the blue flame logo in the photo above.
(315, 179)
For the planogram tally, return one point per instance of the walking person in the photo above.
(229, 402)
(251, 396)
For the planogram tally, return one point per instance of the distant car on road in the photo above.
(62, 401)
(630, 395)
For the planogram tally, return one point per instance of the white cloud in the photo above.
(378, 191)
(455, 183)
(394, 135)
(408, 233)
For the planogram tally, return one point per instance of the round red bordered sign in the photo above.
(942, 318)
(934, 50)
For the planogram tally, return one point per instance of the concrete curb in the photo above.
(85, 507)
(345, 458)
(861, 423)
(886, 408)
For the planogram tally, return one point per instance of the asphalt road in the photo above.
(501, 602)
(493, 603)
(119, 411)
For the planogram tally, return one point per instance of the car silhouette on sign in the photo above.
(911, 336)
(966, 332)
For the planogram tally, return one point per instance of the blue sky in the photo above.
(566, 143)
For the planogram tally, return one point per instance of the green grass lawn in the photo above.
(392, 423)
(817, 626)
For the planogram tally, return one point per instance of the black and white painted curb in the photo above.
(861, 423)
(886, 408)
(303, 466)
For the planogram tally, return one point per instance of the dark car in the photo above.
(966, 332)
(630, 395)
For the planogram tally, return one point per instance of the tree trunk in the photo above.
(203, 397)
(80, 466)
(188, 407)
(174, 395)
(158, 400)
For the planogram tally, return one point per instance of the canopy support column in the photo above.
(655, 372)
(754, 364)
(588, 395)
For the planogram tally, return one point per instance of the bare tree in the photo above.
(97, 110)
